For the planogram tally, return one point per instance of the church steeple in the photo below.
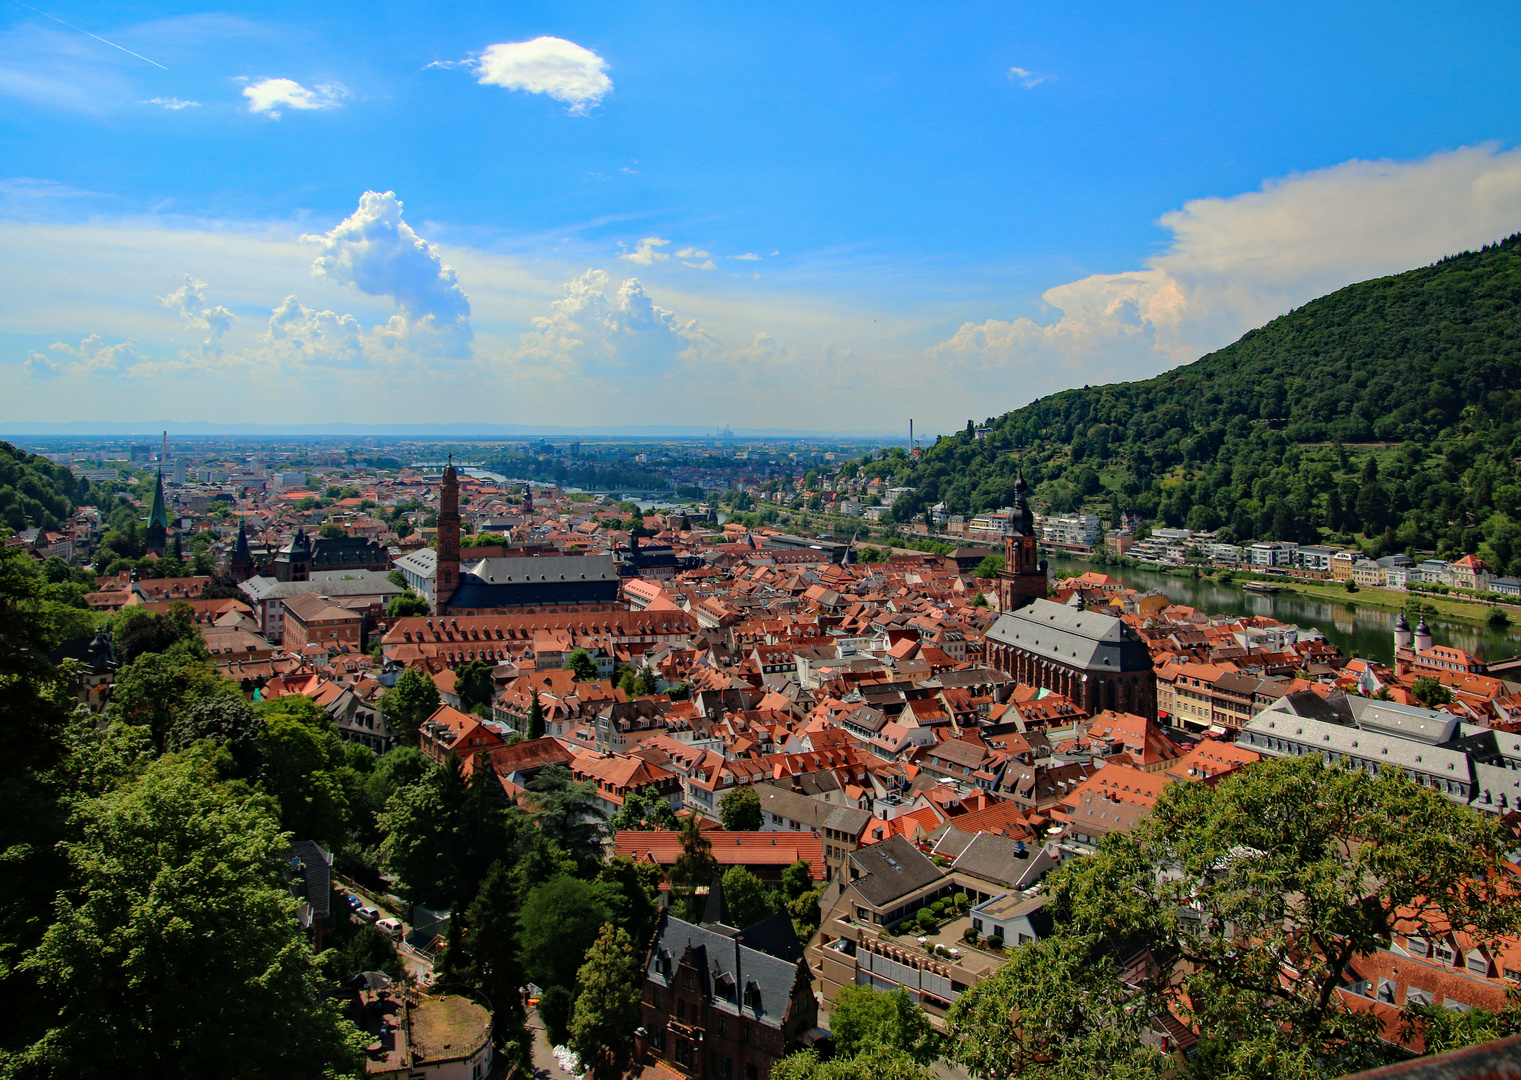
(1023, 577)
(241, 563)
(446, 576)
(158, 519)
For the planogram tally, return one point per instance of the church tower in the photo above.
(158, 520)
(1023, 577)
(240, 565)
(528, 500)
(446, 577)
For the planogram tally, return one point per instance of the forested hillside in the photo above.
(35, 492)
(1390, 409)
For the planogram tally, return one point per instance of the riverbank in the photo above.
(1446, 607)
(1373, 599)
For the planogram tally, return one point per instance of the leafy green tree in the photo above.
(491, 960)
(407, 606)
(1059, 1010)
(580, 662)
(369, 948)
(558, 922)
(989, 567)
(633, 889)
(473, 684)
(694, 868)
(862, 1018)
(535, 716)
(137, 631)
(412, 700)
(608, 1006)
(739, 808)
(1440, 1029)
(157, 689)
(879, 1063)
(442, 834)
(1344, 853)
(643, 811)
(228, 720)
(300, 769)
(177, 953)
(1431, 692)
(397, 578)
(747, 897)
(566, 812)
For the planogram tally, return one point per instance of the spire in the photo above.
(1024, 520)
(158, 515)
(240, 552)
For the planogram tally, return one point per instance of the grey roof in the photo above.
(891, 870)
(423, 562)
(348, 575)
(267, 588)
(811, 812)
(1279, 732)
(717, 955)
(1074, 638)
(995, 858)
(543, 568)
(1406, 721)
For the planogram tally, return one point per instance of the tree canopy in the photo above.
(1257, 437)
(1252, 900)
(740, 808)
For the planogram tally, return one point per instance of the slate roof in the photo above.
(810, 812)
(1072, 637)
(890, 870)
(267, 588)
(717, 954)
(532, 580)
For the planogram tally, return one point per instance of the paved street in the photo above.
(545, 1067)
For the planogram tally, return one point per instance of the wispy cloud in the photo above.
(269, 96)
(553, 66)
(748, 256)
(172, 103)
(1027, 78)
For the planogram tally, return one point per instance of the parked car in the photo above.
(367, 914)
(392, 927)
(353, 902)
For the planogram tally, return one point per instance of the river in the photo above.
(1356, 631)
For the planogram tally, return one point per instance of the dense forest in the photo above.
(35, 492)
(1387, 413)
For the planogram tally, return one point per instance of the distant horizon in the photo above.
(431, 432)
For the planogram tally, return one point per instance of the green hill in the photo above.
(1390, 409)
(34, 491)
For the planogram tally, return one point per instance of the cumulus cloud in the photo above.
(269, 96)
(92, 355)
(1239, 261)
(597, 329)
(546, 65)
(1027, 78)
(378, 253)
(748, 256)
(296, 332)
(214, 320)
(173, 103)
(645, 253)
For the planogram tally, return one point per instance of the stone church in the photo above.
(1092, 658)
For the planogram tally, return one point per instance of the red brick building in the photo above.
(313, 619)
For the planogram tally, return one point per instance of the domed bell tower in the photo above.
(446, 576)
(1023, 577)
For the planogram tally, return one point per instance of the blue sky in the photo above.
(813, 216)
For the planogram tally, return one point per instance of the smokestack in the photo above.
(163, 455)
(911, 437)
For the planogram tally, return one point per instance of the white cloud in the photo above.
(546, 65)
(1237, 262)
(1027, 78)
(691, 253)
(595, 330)
(91, 355)
(269, 96)
(174, 103)
(645, 253)
(378, 253)
(298, 333)
(189, 300)
(748, 256)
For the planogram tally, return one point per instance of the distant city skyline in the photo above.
(784, 219)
